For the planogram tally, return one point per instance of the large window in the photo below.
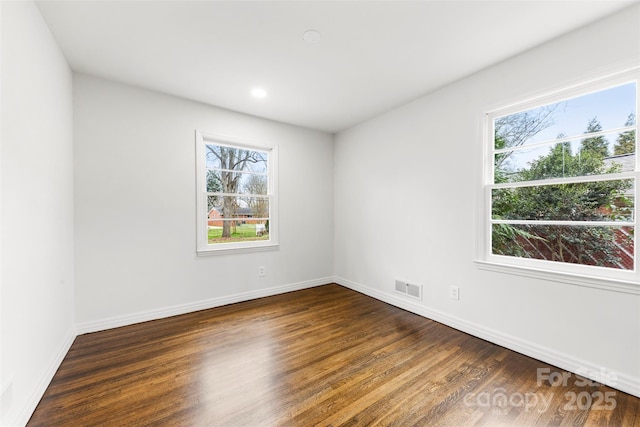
(561, 181)
(236, 195)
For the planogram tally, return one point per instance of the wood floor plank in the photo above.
(325, 356)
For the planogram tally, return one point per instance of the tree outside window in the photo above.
(563, 193)
(235, 196)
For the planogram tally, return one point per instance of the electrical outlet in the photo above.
(262, 272)
(454, 292)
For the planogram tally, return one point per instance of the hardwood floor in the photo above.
(324, 356)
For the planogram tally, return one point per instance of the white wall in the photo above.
(135, 207)
(413, 174)
(37, 210)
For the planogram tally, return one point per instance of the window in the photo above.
(236, 201)
(561, 176)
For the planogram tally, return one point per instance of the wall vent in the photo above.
(409, 289)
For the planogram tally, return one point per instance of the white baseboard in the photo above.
(622, 382)
(144, 316)
(22, 415)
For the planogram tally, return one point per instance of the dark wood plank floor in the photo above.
(325, 356)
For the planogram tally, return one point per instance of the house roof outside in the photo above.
(240, 211)
(626, 161)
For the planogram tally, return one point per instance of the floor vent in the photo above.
(409, 289)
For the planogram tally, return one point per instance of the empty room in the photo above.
(319, 213)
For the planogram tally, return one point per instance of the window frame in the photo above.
(203, 247)
(627, 281)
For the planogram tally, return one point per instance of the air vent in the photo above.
(409, 289)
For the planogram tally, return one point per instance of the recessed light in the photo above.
(258, 93)
(311, 36)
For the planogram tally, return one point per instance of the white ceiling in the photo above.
(373, 55)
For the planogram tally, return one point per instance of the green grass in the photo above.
(242, 233)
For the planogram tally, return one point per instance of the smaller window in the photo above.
(236, 202)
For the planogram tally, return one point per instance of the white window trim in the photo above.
(580, 275)
(203, 248)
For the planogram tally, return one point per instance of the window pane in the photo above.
(585, 201)
(228, 231)
(236, 182)
(607, 109)
(611, 247)
(243, 208)
(237, 219)
(236, 159)
(609, 153)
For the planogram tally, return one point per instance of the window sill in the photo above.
(613, 285)
(237, 250)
